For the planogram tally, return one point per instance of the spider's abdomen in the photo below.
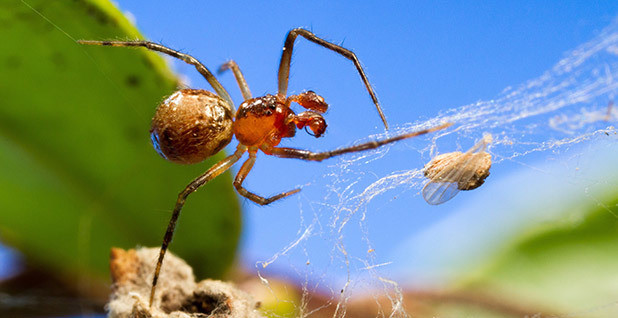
(190, 126)
(262, 120)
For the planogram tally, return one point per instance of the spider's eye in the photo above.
(190, 126)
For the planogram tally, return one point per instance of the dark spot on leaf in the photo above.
(5, 24)
(59, 60)
(132, 80)
(133, 134)
(12, 62)
(147, 62)
(22, 15)
(96, 13)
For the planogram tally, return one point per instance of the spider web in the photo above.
(566, 111)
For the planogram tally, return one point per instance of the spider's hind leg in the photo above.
(240, 78)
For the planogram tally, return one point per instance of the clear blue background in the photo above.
(421, 57)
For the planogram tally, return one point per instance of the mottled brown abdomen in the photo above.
(190, 126)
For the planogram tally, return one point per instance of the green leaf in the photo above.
(568, 268)
(79, 175)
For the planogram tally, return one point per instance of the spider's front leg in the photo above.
(283, 152)
(240, 178)
(201, 68)
(286, 59)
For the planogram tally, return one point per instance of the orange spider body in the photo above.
(266, 120)
(194, 124)
(263, 120)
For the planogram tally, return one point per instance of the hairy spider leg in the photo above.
(286, 58)
(240, 79)
(240, 178)
(212, 80)
(283, 152)
(210, 174)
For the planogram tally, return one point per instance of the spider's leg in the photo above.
(244, 88)
(242, 174)
(319, 156)
(286, 58)
(213, 172)
(212, 80)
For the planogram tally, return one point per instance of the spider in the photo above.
(194, 124)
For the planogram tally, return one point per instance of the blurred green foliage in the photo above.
(79, 175)
(562, 268)
(567, 268)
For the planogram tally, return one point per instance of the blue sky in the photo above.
(421, 57)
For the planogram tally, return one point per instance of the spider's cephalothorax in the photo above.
(265, 120)
(192, 124)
